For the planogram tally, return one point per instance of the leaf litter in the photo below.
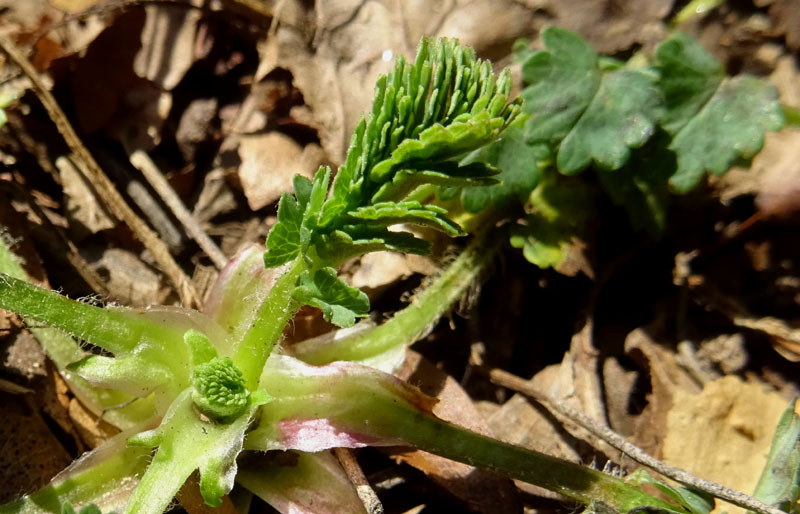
(612, 369)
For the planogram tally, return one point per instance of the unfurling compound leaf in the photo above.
(712, 119)
(779, 484)
(594, 115)
(340, 303)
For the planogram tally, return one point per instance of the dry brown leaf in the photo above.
(610, 26)
(379, 269)
(483, 491)
(786, 16)
(83, 209)
(269, 162)
(666, 377)
(92, 430)
(167, 44)
(128, 279)
(31, 454)
(724, 432)
(74, 6)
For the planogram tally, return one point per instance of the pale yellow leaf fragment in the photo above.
(723, 433)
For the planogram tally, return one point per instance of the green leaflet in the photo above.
(689, 77)
(390, 213)
(641, 187)
(692, 501)
(558, 209)
(594, 115)
(779, 483)
(340, 303)
(730, 125)
(713, 119)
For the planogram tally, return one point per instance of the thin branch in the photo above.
(515, 383)
(100, 182)
(357, 478)
(145, 164)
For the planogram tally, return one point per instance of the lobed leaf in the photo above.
(340, 303)
(730, 125)
(591, 114)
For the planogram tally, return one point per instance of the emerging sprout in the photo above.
(219, 390)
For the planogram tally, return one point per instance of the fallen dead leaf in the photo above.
(610, 26)
(269, 163)
(128, 279)
(483, 491)
(92, 431)
(167, 44)
(723, 433)
(379, 269)
(82, 208)
(31, 454)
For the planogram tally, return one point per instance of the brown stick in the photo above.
(100, 182)
(357, 478)
(520, 385)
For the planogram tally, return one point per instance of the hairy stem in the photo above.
(574, 481)
(411, 323)
(273, 316)
(112, 330)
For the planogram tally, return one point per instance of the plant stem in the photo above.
(572, 480)
(413, 322)
(109, 329)
(273, 316)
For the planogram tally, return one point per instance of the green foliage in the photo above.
(340, 303)
(425, 117)
(644, 130)
(590, 113)
(692, 500)
(779, 484)
(87, 509)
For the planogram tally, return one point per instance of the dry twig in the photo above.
(357, 478)
(142, 161)
(515, 383)
(100, 182)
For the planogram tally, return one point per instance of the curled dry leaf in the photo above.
(269, 162)
(82, 208)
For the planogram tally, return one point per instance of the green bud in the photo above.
(219, 390)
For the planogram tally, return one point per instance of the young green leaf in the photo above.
(779, 483)
(340, 303)
(713, 119)
(594, 115)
